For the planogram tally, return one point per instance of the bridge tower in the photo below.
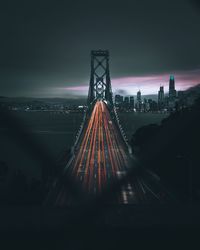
(100, 84)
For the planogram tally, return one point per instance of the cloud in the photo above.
(148, 84)
(121, 92)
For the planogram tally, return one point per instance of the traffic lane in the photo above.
(101, 153)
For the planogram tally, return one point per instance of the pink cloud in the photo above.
(77, 88)
(148, 84)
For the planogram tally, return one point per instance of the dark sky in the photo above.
(45, 45)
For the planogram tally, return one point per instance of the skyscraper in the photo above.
(139, 101)
(161, 98)
(172, 91)
(126, 102)
(132, 102)
(118, 100)
(146, 106)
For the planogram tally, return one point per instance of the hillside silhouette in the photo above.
(171, 150)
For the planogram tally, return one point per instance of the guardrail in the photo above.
(122, 133)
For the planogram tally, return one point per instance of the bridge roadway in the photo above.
(101, 157)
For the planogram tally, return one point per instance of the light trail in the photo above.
(101, 153)
(102, 157)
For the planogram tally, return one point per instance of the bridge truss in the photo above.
(100, 84)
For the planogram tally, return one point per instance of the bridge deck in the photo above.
(102, 157)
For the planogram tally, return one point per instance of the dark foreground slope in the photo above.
(171, 150)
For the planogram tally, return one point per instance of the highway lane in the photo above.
(102, 157)
(102, 152)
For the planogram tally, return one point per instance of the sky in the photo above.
(45, 45)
